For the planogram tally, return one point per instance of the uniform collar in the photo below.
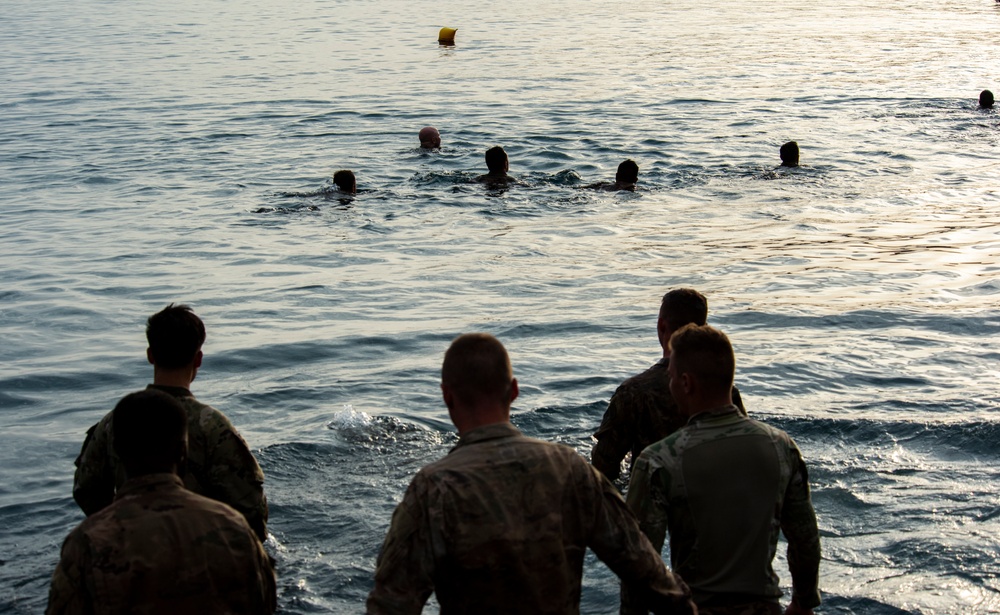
(175, 391)
(488, 432)
(715, 415)
(149, 482)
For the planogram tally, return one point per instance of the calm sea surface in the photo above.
(182, 151)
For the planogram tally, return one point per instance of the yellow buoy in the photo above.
(447, 36)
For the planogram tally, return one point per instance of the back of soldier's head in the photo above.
(345, 180)
(477, 368)
(496, 159)
(789, 153)
(704, 352)
(986, 99)
(175, 335)
(150, 432)
(682, 306)
(628, 172)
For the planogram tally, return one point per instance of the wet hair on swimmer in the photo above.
(683, 306)
(496, 159)
(345, 180)
(706, 353)
(986, 99)
(628, 172)
(789, 153)
(175, 334)
(476, 367)
(149, 432)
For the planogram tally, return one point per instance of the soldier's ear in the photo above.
(198, 356)
(149, 356)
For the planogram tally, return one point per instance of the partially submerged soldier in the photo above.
(345, 181)
(642, 410)
(722, 486)
(160, 549)
(430, 138)
(498, 164)
(986, 99)
(625, 179)
(502, 524)
(219, 463)
(789, 153)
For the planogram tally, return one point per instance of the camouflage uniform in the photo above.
(160, 549)
(642, 411)
(724, 485)
(219, 464)
(501, 525)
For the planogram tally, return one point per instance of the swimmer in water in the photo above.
(789, 153)
(986, 99)
(430, 138)
(498, 165)
(625, 179)
(346, 181)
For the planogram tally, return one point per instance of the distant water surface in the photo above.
(182, 152)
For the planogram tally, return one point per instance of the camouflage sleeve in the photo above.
(618, 541)
(405, 569)
(798, 523)
(614, 439)
(265, 580)
(234, 476)
(68, 592)
(94, 479)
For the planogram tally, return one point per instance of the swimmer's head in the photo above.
(986, 99)
(430, 138)
(496, 160)
(628, 172)
(447, 36)
(789, 153)
(346, 181)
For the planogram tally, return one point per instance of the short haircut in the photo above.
(986, 99)
(628, 172)
(175, 334)
(789, 153)
(496, 159)
(477, 368)
(682, 306)
(345, 180)
(705, 353)
(149, 431)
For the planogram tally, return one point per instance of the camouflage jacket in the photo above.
(501, 525)
(723, 486)
(642, 411)
(219, 464)
(160, 549)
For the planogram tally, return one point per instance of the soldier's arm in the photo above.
(798, 523)
(405, 568)
(620, 543)
(235, 476)
(68, 591)
(94, 479)
(614, 439)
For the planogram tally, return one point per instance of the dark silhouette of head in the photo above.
(789, 153)
(430, 138)
(683, 306)
(986, 99)
(628, 172)
(346, 181)
(706, 354)
(175, 335)
(496, 160)
(149, 432)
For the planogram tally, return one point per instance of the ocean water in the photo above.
(182, 152)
